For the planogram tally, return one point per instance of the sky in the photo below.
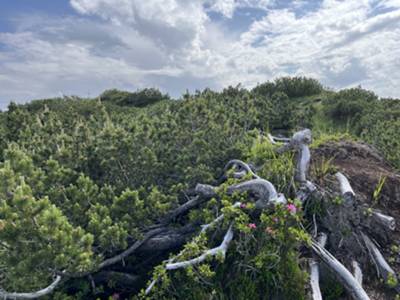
(52, 48)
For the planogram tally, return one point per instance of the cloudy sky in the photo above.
(82, 47)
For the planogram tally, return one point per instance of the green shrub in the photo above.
(140, 98)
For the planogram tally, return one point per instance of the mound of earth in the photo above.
(365, 168)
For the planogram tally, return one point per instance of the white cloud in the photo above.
(388, 3)
(42, 64)
(228, 7)
(175, 44)
(180, 18)
(338, 44)
(225, 7)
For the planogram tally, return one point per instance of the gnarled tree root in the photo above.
(314, 271)
(220, 250)
(349, 282)
(263, 189)
(383, 268)
(385, 220)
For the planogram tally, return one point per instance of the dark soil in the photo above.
(364, 166)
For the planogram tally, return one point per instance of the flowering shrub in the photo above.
(252, 226)
(263, 255)
(291, 208)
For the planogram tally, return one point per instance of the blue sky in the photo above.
(50, 48)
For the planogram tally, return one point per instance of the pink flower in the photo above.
(252, 226)
(276, 220)
(115, 296)
(291, 208)
(243, 205)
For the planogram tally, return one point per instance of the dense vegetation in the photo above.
(81, 179)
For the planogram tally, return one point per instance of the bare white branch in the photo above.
(358, 275)
(387, 221)
(33, 295)
(303, 163)
(241, 168)
(225, 244)
(206, 190)
(314, 271)
(275, 139)
(345, 187)
(220, 250)
(314, 280)
(150, 287)
(350, 283)
(299, 141)
(271, 138)
(302, 137)
(383, 267)
(263, 189)
(218, 219)
(322, 239)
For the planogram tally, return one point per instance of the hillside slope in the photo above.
(102, 191)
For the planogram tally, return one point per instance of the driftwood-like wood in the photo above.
(271, 139)
(314, 271)
(385, 220)
(33, 295)
(205, 190)
(220, 250)
(173, 259)
(205, 227)
(383, 268)
(265, 192)
(299, 142)
(303, 163)
(274, 139)
(345, 189)
(314, 280)
(241, 169)
(343, 275)
(358, 275)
